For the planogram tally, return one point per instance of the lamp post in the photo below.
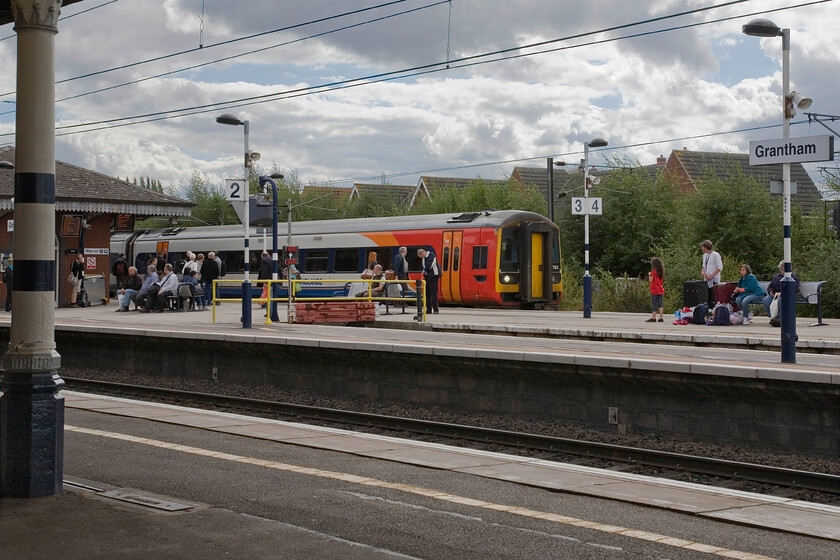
(250, 158)
(274, 255)
(587, 279)
(766, 28)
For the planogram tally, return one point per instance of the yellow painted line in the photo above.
(435, 494)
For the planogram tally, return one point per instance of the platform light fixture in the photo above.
(250, 158)
(790, 102)
(587, 183)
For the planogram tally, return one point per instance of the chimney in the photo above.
(660, 161)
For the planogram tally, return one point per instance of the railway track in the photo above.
(673, 462)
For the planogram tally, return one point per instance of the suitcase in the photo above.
(695, 292)
(723, 294)
(82, 300)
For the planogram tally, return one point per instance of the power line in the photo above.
(283, 44)
(543, 157)
(401, 74)
(221, 43)
(71, 16)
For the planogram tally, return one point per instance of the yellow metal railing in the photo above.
(421, 313)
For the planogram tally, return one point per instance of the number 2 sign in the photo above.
(234, 190)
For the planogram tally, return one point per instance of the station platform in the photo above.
(176, 479)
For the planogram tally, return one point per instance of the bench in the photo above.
(392, 291)
(809, 293)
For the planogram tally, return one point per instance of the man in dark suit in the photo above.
(401, 267)
(431, 273)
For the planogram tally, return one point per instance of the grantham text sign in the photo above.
(792, 150)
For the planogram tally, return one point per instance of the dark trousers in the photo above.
(151, 297)
(712, 299)
(432, 294)
(8, 297)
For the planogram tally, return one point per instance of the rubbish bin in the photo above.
(96, 289)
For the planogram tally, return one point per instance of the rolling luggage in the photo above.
(82, 300)
(695, 292)
(723, 294)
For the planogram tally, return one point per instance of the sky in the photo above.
(627, 71)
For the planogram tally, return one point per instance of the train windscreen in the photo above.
(509, 257)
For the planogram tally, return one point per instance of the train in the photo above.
(506, 258)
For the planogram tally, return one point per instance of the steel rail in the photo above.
(724, 468)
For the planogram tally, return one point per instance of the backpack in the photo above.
(721, 316)
(700, 312)
(120, 269)
(223, 269)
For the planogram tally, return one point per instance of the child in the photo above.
(657, 290)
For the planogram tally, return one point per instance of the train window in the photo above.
(509, 258)
(346, 260)
(555, 249)
(233, 261)
(445, 259)
(480, 257)
(315, 260)
(456, 258)
(414, 262)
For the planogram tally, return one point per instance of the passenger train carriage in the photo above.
(489, 258)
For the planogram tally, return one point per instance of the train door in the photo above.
(450, 266)
(535, 281)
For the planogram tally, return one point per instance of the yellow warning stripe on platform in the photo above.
(435, 494)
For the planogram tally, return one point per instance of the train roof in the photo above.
(486, 218)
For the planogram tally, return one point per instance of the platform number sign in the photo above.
(235, 190)
(582, 206)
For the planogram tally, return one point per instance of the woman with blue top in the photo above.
(750, 292)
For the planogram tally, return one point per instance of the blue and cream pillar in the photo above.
(31, 408)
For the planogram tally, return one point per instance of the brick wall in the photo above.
(98, 236)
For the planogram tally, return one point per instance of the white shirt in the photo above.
(169, 283)
(711, 263)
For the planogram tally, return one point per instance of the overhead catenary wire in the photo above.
(219, 44)
(254, 51)
(404, 73)
(63, 19)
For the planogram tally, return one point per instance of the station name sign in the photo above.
(792, 150)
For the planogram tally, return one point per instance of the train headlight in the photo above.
(508, 278)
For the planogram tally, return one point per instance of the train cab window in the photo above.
(479, 257)
(509, 258)
(445, 259)
(315, 260)
(555, 251)
(346, 260)
(456, 258)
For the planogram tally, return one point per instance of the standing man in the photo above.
(401, 268)
(266, 269)
(120, 270)
(209, 271)
(8, 278)
(431, 273)
(712, 267)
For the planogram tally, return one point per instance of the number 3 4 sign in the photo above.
(582, 206)
(234, 190)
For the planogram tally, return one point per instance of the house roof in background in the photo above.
(697, 164)
(83, 190)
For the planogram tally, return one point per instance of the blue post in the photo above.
(787, 311)
(587, 296)
(274, 254)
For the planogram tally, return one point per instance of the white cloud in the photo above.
(679, 84)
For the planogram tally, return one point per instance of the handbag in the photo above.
(774, 307)
(71, 279)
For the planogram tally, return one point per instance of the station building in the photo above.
(89, 207)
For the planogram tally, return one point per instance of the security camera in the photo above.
(85, 224)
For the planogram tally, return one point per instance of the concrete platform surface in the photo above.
(777, 513)
(614, 340)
